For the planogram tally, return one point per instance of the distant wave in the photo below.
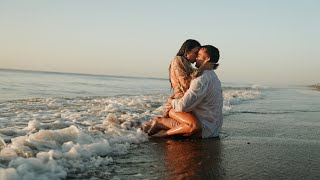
(76, 74)
(235, 95)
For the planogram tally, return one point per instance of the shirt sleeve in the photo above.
(181, 73)
(194, 95)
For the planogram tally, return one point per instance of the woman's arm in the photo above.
(182, 73)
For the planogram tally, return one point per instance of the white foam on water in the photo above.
(49, 138)
(34, 124)
(49, 154)
(8, 153)
(233, 97)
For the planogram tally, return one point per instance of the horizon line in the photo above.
(75, 73)
(137, 77)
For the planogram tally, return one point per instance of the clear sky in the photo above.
(263, 42)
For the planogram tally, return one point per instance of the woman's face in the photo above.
(202, 57)
(192, 54)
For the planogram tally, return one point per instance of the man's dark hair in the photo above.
(213, 53)
(187, 46)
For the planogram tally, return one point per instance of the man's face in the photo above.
(202, 57)
(192, 55)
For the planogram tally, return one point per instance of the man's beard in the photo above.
(197, 65)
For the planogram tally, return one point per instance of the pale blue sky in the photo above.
(264, 42)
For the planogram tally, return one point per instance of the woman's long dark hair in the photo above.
(187, 46)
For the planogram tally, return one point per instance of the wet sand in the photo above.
(240, 157)
(166, 159)
(229, 158)
(275, 137)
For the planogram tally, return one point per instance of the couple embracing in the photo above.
(195, 108)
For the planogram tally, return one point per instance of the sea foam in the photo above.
(51, 137)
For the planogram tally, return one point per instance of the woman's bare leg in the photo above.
(179, 123)
(160, 123)
(189, 124)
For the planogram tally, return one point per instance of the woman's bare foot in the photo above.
(156, 126)
(147, 126)
(160, 134)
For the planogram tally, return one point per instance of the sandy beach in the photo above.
(228, 158)
(80, 79)
(275, 137)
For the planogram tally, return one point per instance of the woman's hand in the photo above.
(170, 100)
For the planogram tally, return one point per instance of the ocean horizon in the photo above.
(78, 73)
(284, 85)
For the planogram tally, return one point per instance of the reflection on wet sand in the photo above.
(188, 158)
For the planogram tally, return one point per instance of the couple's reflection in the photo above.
(190, 159)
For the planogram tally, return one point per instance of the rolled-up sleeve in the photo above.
(192, 97)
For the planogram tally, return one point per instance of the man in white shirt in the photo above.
(204, 99)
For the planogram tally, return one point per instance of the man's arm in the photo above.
(192, 97)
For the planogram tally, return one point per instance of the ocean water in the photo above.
(71, 126)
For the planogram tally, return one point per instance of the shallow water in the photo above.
(84, 126)
(272, 137)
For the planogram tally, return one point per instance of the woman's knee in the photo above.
(195, 127)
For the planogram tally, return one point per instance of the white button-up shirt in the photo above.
(204, 98)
